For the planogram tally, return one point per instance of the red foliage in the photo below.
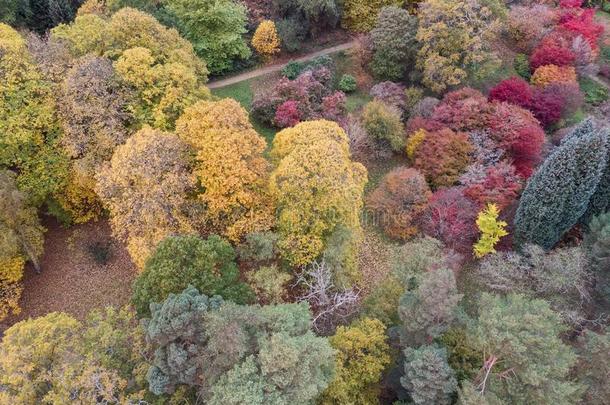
(551, 54)
(417, 123)
(333, 106)
(442, 156)
(519, 133)
(570, 3)
(501, 185)
(547, 107)
(514, 90)
(463, 110)
(450, 218)
(583, 23)
(287, 114)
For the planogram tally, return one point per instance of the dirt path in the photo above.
(275, 68)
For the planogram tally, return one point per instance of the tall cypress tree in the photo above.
(558, 194)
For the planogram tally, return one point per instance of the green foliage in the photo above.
(428, 310)
(269, 283)
(522, 66)
(427, 375)
(594, 366)
(464, 356)
(293, 69)
(258, 247)
(180, 261)
(362, 355)
(215, 29)
(558, 194)
(393, 42)
(348, 83)
(382, 123)
(292, 32)
(491, 230)
(360, 15)
(522, 335)
(595, 93)
(597, 243)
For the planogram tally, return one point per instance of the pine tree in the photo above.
(428, 377)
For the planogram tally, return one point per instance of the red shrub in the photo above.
(583, 23)
(519, 133)
(514, 90)
(417, 122)
(399, 200)
(390, 93)
(547, 107)
(442, 157)
(450, 218)
(501, 185)
(287, 114)
(463, 110)
(570, 3)
(333, 106)
(551, 54)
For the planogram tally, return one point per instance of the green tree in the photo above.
(394, 44)
(427, 375)
(526, 360)
(360, 15)
(383, 124)
(593, 367)
(180, 261)
(597, 243)
(558, 194)
(215, 29)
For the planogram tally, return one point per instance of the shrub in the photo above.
(597, 242)
(527, 25)
(265, 39)
(258, 247)
(521, 65)
(390, 93)
(545, 75)
(491, 230)
(292, 31)
(550, 54)
(180, 261)
(547, 107)
(465, 109)
(583, 23)
(348, 84)
(513, 90)
(383, 123)
(413, 142)
(595, 93)
(287, 114)
(334, 107)
(443, 156)
(499, 185)
(399, 200)
(269, 283)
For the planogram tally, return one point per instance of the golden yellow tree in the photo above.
(230, 167)
(491, 229)
(318, 191)
(145, 187)
(265, 39)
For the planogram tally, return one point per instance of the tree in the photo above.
(427, 375)
(513, 90)
(498, 184)
(94, 119)
(362, 355)
(399, 200)
(597, 243)
(428, 310)
(526, 360)
(21, 241)
(360, 16)
(551, 54)
(253, 354)
(491, 230)
(558, 194)
(594, 366)
(547, 74)
(454, 37)
(154, 62)
(215, 29)
(317, 189)
(265, 39)
(383, 124)
(180, 261)
(29, 129)
(230, 167)
(145, 187)
(393, 40)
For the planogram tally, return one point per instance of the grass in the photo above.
(356, 100)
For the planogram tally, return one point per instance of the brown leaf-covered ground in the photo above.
(72, 281)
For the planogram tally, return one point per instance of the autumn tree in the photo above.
(215, 30)
(145, 188)
(526, 361)
(94, 119)
(180, 261)
(230, 167)
(152, 61)
(393, 41)
(382, 123)
(558, 194)
(491, 230)
(265, 39)
(362, 355)
(455, 39)
(21, 241)
(318, 190)
(360, 15)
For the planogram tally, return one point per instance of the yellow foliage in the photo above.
(230, 167)
(414, 141)
(361, 15)
(491, 230)
(318, 190)
(362, 355)
(547, 74)
(265, 39)
(79, 199)
(11, 273)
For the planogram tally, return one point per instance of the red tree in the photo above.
(501, 185)
(463, 110)
(514, 90)
(549, 53)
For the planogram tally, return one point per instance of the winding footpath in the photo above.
(215, 84)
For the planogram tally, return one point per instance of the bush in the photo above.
(294, 69)
(390, 93)
(292, 32)
(499, 184)
(399, 200)
(348, 84)
(269, 283)
(597, 242)
(383, 123)
(287, 114)
(180, 261)
(258, 247)
(527, 25)
(265, 39)
(513, 90)
(522, 66)
(547, 74)
(595, 93)
(550, 54)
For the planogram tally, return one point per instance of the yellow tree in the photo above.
(318, 192)
(491, 229)
(362, 355)
(265, 39)
(145, 186)
(230, 167)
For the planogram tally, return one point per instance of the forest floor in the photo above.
(73, 280)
